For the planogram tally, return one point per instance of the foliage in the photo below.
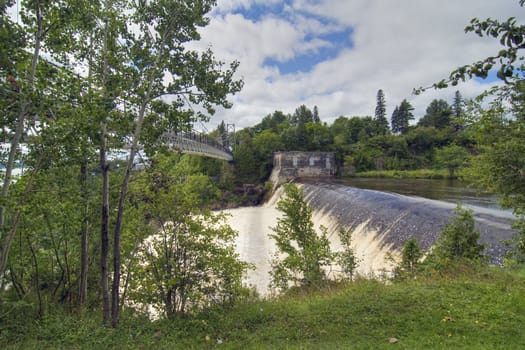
(401, 117)
(452, 157)
(406, 174)
(347, 258)
(410, 257)
(188, 260)
(458, 240)
(380, 112)
(301, 252)
(458, 111)
(500, 128)
(508, 61)
(438, 115)
(455, 311)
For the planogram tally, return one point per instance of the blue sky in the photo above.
(336, 54)
(335, 40)
(306, 61)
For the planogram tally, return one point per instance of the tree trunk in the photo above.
(115, 304)
(104, 166)
(15, 141)
(82, 291)
(104, 228)
(125, 183)
(37, 279)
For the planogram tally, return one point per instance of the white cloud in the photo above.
(398, 45)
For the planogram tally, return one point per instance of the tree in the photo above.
(437, 115)
(380, 113)
(188, 262)
(452, 157)
(157, 50)
(347, 258)
(302, 115)
(458, 240)
(499, 166)
(316, 118)
(401, 117)
(29, 89)
(509, 62)
(404, 116)
(457, 111)
(395, 121)
(410, 256)
(301, 252)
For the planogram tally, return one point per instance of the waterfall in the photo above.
(380, 223)
(390, 219)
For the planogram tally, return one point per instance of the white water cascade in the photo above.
(380, 224)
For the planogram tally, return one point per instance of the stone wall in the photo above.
(291, 165)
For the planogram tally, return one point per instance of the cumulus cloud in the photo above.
(394, 45)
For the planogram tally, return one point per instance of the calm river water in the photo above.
(451, 191)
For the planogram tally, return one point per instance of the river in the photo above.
(452, 191)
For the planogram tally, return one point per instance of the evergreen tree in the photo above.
(457, 111)
(394, 120)
(316, 118)
(380, 114)
(401, 117)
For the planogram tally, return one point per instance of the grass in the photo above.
(406, 174)
(482, 310)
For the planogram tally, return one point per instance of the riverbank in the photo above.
(464, 309)
(407, 174)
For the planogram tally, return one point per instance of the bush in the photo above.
(458, 241)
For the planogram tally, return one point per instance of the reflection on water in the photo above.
(452, 191)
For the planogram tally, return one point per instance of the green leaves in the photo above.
(301, 251)
(189, 261)
(458, 240)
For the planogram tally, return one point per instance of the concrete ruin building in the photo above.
(291, 165)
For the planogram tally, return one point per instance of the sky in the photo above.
(336, 54)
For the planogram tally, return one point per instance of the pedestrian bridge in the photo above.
(197, 143)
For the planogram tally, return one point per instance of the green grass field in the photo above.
(406, 174)
(467, 310)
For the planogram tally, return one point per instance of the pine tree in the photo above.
(316, 117)
(457, 111)
(380, 115)
(405, 115)
(395, 122)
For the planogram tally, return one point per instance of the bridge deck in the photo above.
(194, 143)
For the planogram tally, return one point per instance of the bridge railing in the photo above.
(197, 143)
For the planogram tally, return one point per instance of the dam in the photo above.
(380, 223)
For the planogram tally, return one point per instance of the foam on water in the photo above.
(380, 224)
